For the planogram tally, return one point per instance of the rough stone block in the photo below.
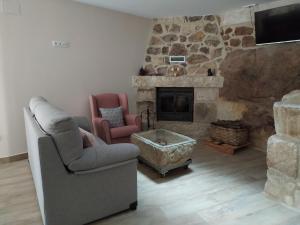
(196, 37)
(283, 155)
(287, 119)
(212, 41)
(297, 198)
(292, 98)
(146, 95)
(142, 106)
(197, 58)
(170, 38)
(206, 94)
(157, 28)
(205, 111)
(248, 41)
(156, 41)
(280, 186)
(243, 30)
(153, 51)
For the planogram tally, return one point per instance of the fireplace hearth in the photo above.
(174, 103)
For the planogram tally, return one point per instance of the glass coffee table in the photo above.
(164, 150)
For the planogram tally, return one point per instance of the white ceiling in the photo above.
(165, 8)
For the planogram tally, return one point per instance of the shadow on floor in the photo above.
(157, 178)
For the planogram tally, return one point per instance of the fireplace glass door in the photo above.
(175, 104)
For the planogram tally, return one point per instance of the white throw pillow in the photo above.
(113, 115)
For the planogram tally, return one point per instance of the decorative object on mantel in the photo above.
(145, 72)
(148, 113)
(142, 72)
(211, 72)
(228, 136)
(175, 70)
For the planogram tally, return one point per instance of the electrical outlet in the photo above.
(60, 44)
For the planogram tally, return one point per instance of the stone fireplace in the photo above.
(188, 103)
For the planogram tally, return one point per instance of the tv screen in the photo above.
(278, 25)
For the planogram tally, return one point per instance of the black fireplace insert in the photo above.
(174, 104)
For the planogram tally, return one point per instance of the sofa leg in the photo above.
(133, 206)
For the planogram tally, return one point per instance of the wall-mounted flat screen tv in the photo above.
(278, 25)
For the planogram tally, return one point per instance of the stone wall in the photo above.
(198, 38)
(240, 36)
(255, 79)
(255, 76)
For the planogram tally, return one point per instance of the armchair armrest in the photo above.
(82, 122)
(132, 119)
(101, 129)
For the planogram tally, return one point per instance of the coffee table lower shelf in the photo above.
(164, 170)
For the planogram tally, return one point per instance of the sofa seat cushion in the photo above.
(124, 131)
(103, 155)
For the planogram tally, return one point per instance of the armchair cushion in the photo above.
(113, 115)
(124, 131)
(102, 155)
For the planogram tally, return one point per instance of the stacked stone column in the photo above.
(283, 177)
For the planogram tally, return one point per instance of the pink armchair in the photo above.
(101, 127)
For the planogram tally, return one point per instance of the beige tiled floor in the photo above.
(216, 190)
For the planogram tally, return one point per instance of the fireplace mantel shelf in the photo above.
(149, 82)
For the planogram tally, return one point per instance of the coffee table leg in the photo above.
(163, 173)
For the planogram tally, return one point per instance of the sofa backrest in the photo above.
(60, 126)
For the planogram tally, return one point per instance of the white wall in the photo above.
(107, 48)
(3, 117)
(246, 15)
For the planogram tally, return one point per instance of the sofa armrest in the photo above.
(83, 123)
(101, 129)
(132, 119)
(104, 155)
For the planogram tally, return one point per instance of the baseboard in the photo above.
(14, 158)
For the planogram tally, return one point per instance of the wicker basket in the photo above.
(229, 132)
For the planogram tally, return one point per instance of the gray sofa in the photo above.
(74, 185)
